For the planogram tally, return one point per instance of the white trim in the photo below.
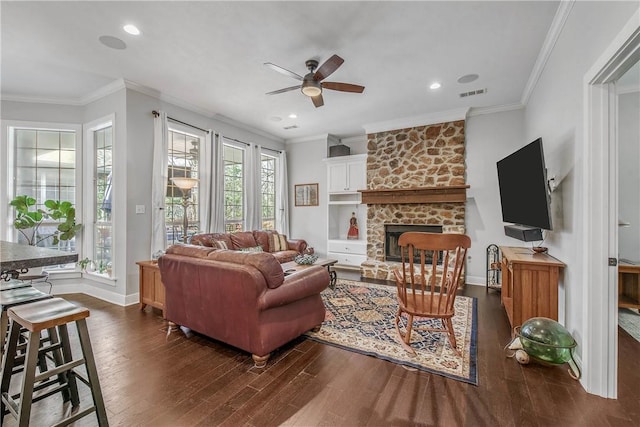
(599, 343)
(478, 111)
(7, 180)
(310, 138)
(89, 165)
(420, 120)
(560, 18)
(93, 289)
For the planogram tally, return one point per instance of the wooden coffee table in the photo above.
(292, 267)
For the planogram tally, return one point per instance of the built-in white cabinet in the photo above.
(345, 176)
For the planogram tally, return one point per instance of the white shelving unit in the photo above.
(345, 176)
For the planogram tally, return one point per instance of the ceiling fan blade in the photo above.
(343, 87)
(283, 71)
(328, 67)
(317, 100)
(286, 89)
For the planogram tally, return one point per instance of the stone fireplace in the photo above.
(415, 176)
(392, 234)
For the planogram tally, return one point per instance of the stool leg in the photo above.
(92, 372)
(28, 377)
(8, 361)
(63, 378)
(69, 376)
(4, 328)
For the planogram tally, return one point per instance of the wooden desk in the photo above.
(529, 284)
(629, 285)
(151, 286)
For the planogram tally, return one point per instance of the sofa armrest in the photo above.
(298, 245)
(308, 282)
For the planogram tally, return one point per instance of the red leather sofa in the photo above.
(241, 298)
(250, 239)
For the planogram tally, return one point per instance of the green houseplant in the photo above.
(29, 218)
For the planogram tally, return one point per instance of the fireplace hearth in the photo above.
(392, 234)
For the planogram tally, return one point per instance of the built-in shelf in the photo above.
(440, 194)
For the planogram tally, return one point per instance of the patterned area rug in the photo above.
(360, 317)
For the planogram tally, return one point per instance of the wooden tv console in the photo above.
(529, 284)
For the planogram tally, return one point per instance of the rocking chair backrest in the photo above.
(433, 283)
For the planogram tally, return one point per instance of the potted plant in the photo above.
(83, 264)
(29, 218)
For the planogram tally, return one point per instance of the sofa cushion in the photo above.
(285, 256)
(252, 249)
(266, 263)
(210, 239)
(263, 238)
(190, 250)
(242, 239)
(278, 243)
(220, 244)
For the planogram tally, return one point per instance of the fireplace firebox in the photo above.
(392, 234)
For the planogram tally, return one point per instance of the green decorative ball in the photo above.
(546, 340)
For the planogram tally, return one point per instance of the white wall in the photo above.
(555, 112)
(629, 174)
(306, 167)
(489, 138)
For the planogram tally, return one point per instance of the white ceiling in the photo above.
(210, 55)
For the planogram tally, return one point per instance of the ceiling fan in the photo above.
(312, 83)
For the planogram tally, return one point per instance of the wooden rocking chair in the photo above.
(430, 290)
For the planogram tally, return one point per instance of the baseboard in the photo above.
(476, 280)
(84, 286)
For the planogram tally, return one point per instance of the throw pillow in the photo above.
(279, 243)
(220, 244)
(252, 249)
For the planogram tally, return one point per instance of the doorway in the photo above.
(600, 241)
(628, 96)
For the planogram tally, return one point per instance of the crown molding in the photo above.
(560, 18)
(246, 127)
(479, 111)
(322, 136)
(421, 120)
(41, 100)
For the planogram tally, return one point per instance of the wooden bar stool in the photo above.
(35, 317)
(13, 297)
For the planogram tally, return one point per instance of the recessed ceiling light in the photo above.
(468, 78)
(293, 116)
(131, 29)
(435, 85)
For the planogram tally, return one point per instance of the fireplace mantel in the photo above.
(440, 194)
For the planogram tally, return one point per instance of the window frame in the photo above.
(8, 181)
(197, 208)
(241, 221)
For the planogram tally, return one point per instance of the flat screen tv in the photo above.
(524, 194)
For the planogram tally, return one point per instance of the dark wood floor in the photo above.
(148, 380)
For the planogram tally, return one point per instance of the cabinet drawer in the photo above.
(347, 259)
(347, 246)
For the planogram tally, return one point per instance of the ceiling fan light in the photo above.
(311, 88)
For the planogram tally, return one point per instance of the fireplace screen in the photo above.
(392, 234)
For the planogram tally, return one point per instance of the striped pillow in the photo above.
(220, 244)
(279, 243)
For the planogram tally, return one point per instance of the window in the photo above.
(45, 169)
(233, 188)
(268, 191)
(184, 156)
(103, 226)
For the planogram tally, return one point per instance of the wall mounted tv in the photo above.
(524, 194)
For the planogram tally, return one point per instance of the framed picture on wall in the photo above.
(306, 194)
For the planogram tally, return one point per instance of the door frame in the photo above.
(600, 202)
